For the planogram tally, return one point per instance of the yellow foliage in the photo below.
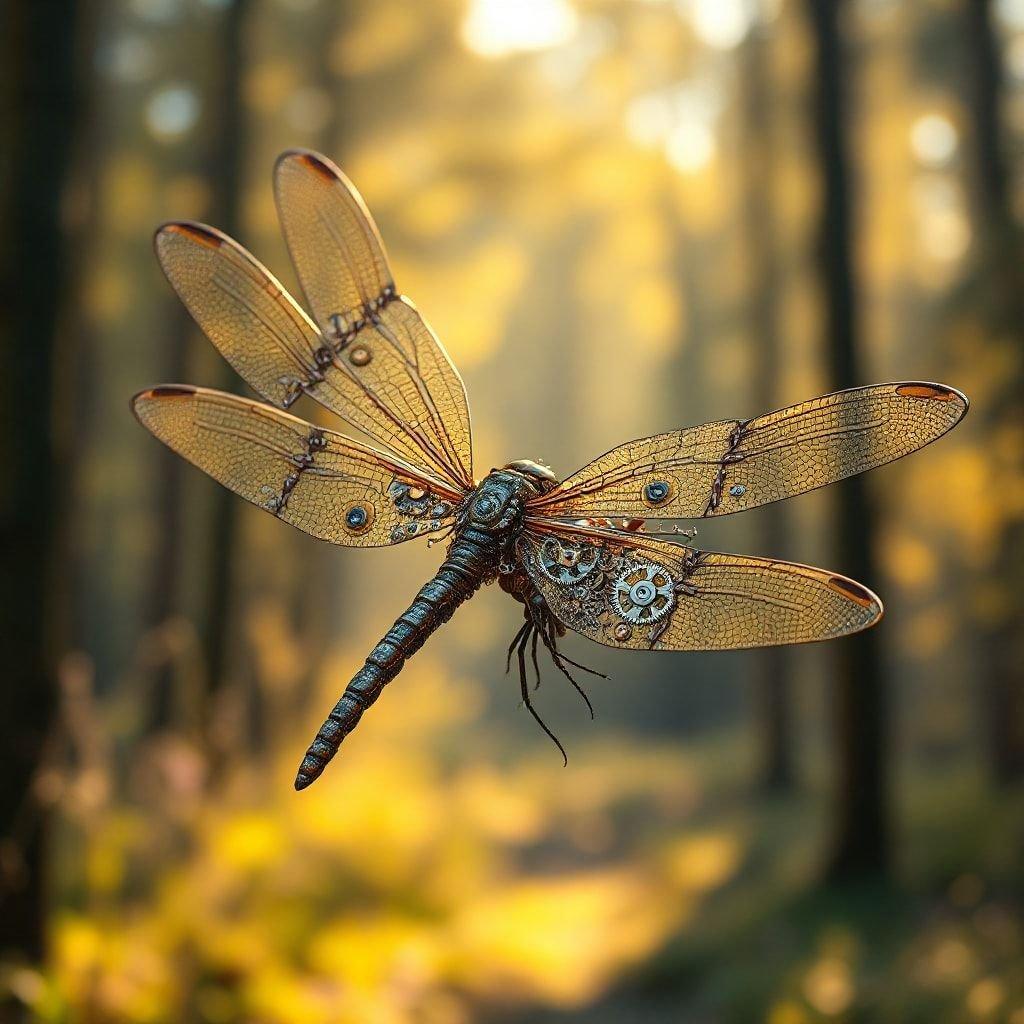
(702, 862)
(497, 809)
(375, 952)
(559, 939)
(248, 842)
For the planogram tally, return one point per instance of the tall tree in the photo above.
(776, 768)
(861, 805)
(221, 165)
(1001, 272)
(227, 151)
(41, 47)
(163, 598)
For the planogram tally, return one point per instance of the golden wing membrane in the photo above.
(326, 485)
(344, 271)
(632, 591)
(732, 465)
(275, 347)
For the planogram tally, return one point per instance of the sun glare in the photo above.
(497, 28)
(721, 24)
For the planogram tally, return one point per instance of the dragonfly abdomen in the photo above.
(471, 560)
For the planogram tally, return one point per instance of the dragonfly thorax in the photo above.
(498, 504)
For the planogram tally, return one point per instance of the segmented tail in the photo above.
(470, 562)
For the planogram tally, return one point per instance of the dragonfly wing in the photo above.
(323, 483)
(388, 346)
(267, 337)
(733, 465)
(633, 591)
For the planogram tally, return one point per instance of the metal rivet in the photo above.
(355, 518)
(622, 631)
(737, 490)
(359, 356)
(656, 492)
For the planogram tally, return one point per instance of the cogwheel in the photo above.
(579, 609)
(566, 563)
(644, 593)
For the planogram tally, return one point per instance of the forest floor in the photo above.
(941, 941)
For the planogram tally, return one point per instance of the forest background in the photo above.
(621, 216)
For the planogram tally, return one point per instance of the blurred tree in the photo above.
(861, 839)
(165, 578)
(776, 766)
(219, 166)
(226, 159)
(43, 93)
(1001, 269)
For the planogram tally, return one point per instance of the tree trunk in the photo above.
(42, 87)
(1002, 291)
(861, 805)
(165, 578)
(225, 174)
(776, 769)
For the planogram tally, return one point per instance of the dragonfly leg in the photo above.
(512, 646)
(533, 654)
(545, 626)
(524, 689)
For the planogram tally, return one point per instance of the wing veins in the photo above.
(246, 263)
(452, 458)
(284, 342)
(338, 237)
(409, 429)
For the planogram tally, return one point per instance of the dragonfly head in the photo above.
(542, 478)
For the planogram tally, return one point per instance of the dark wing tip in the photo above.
(159, 393)
(166, 391)
(203, 234)
(935, 393)
(310, 159)
(860, 596)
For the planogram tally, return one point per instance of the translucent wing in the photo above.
(267, 337)
(733, 465)
(325, 484)
(629, 590)
(340, 259)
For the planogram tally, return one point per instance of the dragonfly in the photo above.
(582, 554)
